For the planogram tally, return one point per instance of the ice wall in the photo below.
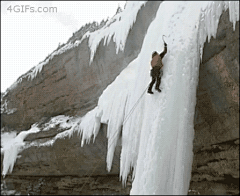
(157, 130)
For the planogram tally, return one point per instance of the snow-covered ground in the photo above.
(157, 130)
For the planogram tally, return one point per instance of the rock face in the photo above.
(69, 86)
(66, 156)
(65, 185)
(216, 144)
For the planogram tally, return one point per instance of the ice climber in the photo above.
(156, 71)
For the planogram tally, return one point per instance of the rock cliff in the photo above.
(216, 144)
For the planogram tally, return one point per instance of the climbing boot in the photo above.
(159, 90)
(150, 92)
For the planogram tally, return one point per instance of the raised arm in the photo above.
(164, 52)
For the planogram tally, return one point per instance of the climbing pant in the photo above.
(156, 74)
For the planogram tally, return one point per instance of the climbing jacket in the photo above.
(157, 59)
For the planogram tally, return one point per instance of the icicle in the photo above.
(233, 12)
(12, 147)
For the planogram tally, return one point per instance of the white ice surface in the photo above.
(11, 146)
(157, 133)
(117, 28)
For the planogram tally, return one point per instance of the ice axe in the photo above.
(163, 39)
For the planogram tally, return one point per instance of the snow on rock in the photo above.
(5, 109)
(61, 120)
(64, 122)
(157, 130)
(4, 105)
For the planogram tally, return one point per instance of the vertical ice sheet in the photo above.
(165, 149)
(157, 135)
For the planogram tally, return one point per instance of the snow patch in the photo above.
(64, 122)
(61, 120)
(5, 109)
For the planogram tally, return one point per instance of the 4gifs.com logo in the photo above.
(30, 9)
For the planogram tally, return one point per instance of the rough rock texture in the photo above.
(61, 88)
(216, 143)
(66, 156)
(64, 185)
(68, 85)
